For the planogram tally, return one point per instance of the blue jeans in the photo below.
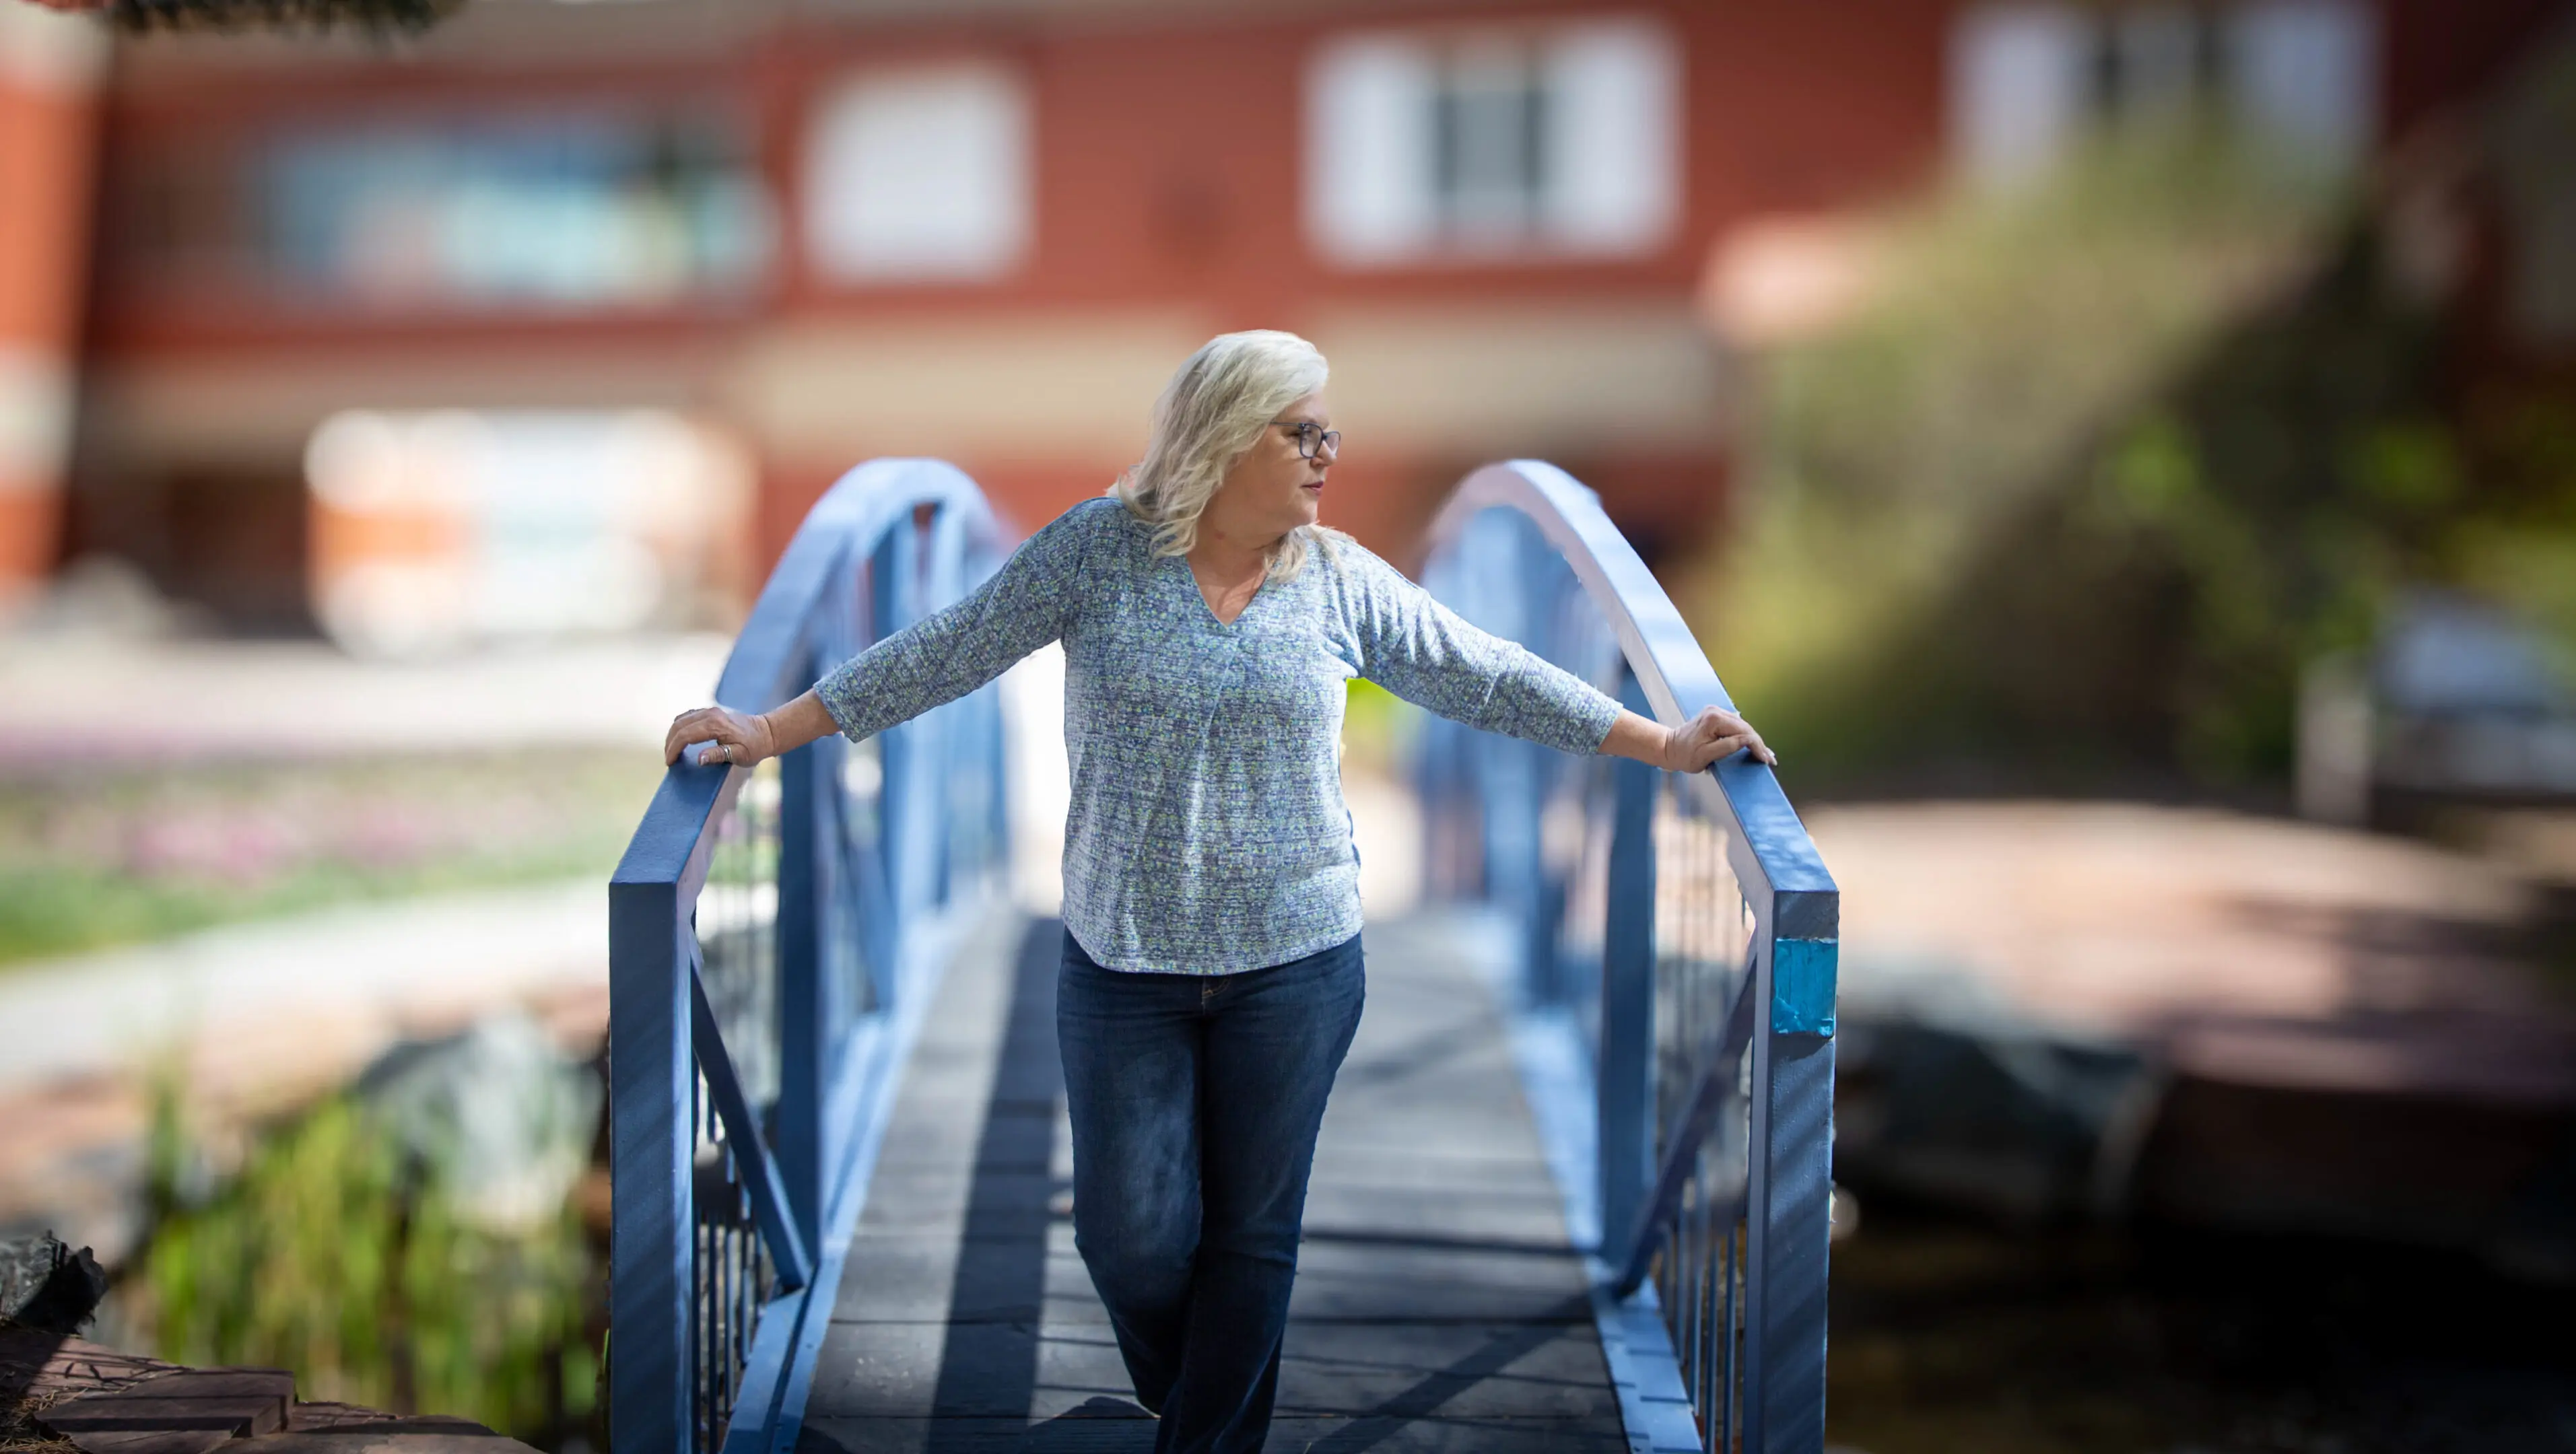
(1195, 1101)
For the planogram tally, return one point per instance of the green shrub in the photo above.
(326, 1255)
(2100, 469)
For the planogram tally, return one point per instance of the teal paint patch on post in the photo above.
(1802, 986)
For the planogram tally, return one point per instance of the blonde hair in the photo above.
(1215, 408)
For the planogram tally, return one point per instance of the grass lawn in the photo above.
(93, 857)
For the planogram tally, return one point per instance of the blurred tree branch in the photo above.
(375, 16)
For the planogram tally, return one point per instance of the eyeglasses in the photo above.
(1312, 438)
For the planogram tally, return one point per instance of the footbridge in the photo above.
(1572, 1193)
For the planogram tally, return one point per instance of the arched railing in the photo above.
(1669, 928)
(772, 932)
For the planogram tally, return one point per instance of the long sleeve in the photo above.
(1025, 605)
(1427, 654)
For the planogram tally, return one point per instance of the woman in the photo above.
(1211, 977)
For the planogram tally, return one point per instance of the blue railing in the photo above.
(1670, 927)
(772, 934)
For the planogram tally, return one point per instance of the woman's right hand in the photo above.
(739, 738)
(1713, 734)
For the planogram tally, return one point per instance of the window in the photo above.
(1489, 144)
(2016, 87)
(2306, 74)
(2027, 79)
(561, 211)
(919, 175)
(432, 531)
(2538, 192)
(1499, 143)
(575, 211)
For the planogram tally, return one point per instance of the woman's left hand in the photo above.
(1713, 734)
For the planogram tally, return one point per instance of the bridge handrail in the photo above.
(704, 1345)
(1771, 850)
(1778, 1006)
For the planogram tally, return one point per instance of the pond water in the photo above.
(1951, 1336)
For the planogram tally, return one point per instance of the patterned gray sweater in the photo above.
(1207, 833)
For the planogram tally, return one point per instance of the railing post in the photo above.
(993, 837)
(1441, 775)
(928, 812)
(1789, 1203)
(1508, 800)
(1626, 1066)
(807, 866)
(949, 745)
(892, 576)
(652, 1140)
(1509, 776)
(1552, 977)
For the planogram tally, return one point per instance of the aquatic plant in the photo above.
(331, 1252)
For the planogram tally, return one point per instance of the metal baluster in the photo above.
(1626, 1075)
(1727, 1384)
(1679, 1308)
(803, 1018)
(1703, 1275)
(705, 1389)
(1688, 1311)
(1713, 1008)
(1669, 1284)
(720, 1364)
(710, 1332)
(715, 1212)
(733, 1290)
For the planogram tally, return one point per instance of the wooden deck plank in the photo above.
(1438, 1306)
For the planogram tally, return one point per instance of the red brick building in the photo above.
(49, 69)
(827, 230)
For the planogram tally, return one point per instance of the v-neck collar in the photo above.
(1190, 580)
